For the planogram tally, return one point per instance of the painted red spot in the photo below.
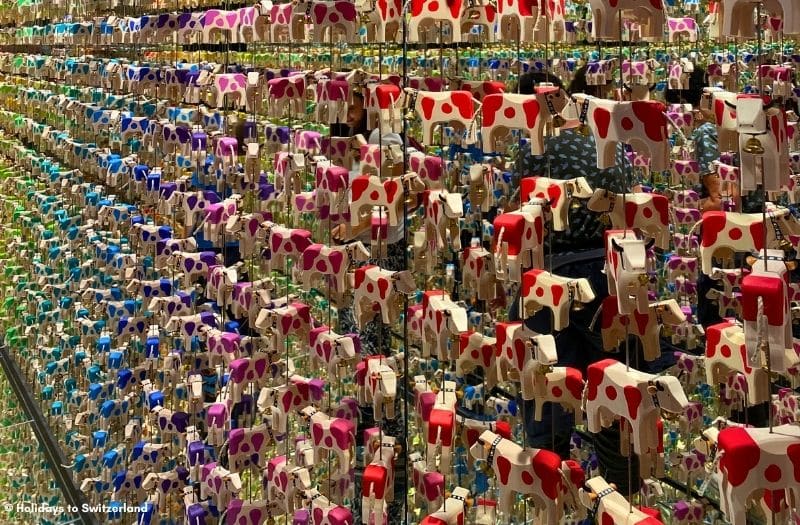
(427, 104)
(557, 391)
(509, 112)
(602, 119)
(735, 234)
(557, 291)
(539, 291)
(742, 454)
(547, 467)
(611, 392)
(527, 477)
(595, 374)
(651, 114)
(462, 99)
(757, 232)
(633, 397)
(725, 350)
(391, 187)
(383, 286)
(627, 124)
(447, 108)
(772, 473)
(647, 212)
(630, 213)
(491, 105)
(503, 466)
(793, 452)
(531, 108)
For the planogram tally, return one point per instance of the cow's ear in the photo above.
(649, 244)
(791, 265)
(617, 247)
(751, 260)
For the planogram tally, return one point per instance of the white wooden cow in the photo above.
(542, 289)
(441, 426)
(442, 213)
(373, 286)
(646, 325)
(538, 473)
(765, 309)
(612, 507)
(768, 127)
(558, 193)
(452, 511)
(648, 212)
(518, 242)
(626, 270)
(614, 390)
(442, 318)
(755, 460)
(642, 124)
(726, 354)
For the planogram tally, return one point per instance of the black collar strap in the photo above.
(492, 450)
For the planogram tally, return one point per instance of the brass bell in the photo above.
(410, 199)
(785, 245)
(605, 220)
(584, 130)
(558, 121)
(477, 194)
(578, 306)
(486, 469)
(753, 147)
(644, 279)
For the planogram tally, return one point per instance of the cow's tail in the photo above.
(595, 318)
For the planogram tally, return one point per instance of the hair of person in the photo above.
(528, 81)
(693, 95)
(579, 83)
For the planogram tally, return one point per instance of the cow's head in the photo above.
(669, 394)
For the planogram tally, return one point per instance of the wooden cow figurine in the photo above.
(647, 211)
(535, 472)
(455, 108)
(426, 13)
(542, 289)
(646, 325)
(428, 485)
(452, 511)
(612, 507)
(334, 434)
(503, 112)
(726, 354)
(614, 390)
(558, 193)
(517, 242)
(768, 127)
(441, 426)
(442, 213)
(478, 272)
(562, 385)
(370, 191)
(606, 18)
(442, 318)
(626, 270)
(376, 290)
(642, 124)
(476, 349)
(768, 283)
(755, 460)
(741, 232)
(377, 485)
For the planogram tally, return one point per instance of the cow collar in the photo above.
(600, 495)
(558, 120)
(493, 450)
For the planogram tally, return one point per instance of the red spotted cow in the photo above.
(517, 242)
(478, 273)
(558, 193)
(755, 460)
(646, 325)
(427, 13)
(642, 124)
(370, 191)
(626, 270)
(331, 264)
(542, 289)
(647, 211)
(614, 390)
(282, 243)
(333, 434)
(538, 473)
(503, 112)
(476, 349)
(442, 318)
(376, 290)
(559, 384)
(455, 108)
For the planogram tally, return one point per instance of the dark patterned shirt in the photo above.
(570, 155)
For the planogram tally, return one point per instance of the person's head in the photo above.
(357, 116)
(579, 84)
(529, 81)
(697, 81)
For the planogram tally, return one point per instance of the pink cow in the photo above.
(685, 172)
(247, 447)
(287, 93)
(333, 434)
(247, 370)
(429, 485)
(332, 350)
(283, 243)
(329, 264)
